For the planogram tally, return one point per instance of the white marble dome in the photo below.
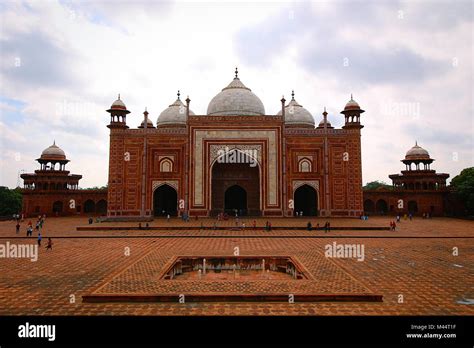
(53, 151)
(118, 104)
(297, 114)
(173, 114)
(149, 124)
(236, 100)
(321, 124)
(417, 152)
(352, 105)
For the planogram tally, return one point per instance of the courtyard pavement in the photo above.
(425, 267)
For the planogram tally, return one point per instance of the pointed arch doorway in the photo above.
(306, 201)
(165, 201)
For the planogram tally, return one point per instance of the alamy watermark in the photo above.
(237, 156)
(26, 251)
(345, 251)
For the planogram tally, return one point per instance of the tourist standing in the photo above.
(39, 239)
(49, 246)
(309, 226)
(17, 227)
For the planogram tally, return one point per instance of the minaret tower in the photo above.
(118, 114)
(351, 114)
(352, 157)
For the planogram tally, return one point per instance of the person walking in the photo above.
(49, 246)
(17, 227)
(39, 239)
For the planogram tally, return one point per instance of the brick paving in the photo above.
(424, 271)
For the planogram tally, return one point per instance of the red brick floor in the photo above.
(423, 270)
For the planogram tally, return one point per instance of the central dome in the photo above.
(236, 100)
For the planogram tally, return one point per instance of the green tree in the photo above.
(374, 185)
(463, 185)
(10, 201)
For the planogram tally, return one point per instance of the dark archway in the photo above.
(101, 207)
(58, 207)
(89, 206)
(306, 201)
(369, 206)
(381, 207)
(412, 207)
(165, 201)
(235, 198)
(245, 175)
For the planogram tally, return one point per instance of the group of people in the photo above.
(327, 226)
(38, 227)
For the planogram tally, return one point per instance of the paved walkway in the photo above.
(422, 271)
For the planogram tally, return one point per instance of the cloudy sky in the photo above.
(408, 64)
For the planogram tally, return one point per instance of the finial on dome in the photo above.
(54, 142)
(324, 112)
(119, 96)
(292, 95)
(351, 97)
(416, 142)
(178, 94)
(236, 73)
(145, 112)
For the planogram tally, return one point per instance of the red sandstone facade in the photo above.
(178, 168)
(417, 190)
(53, 191)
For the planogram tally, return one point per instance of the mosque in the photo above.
(235, 159)
(178, 165)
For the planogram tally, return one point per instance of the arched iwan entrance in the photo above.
(369, 206)
(165, 201)
(306, 201)
(89, 206)
(412, 207)
(381, 207)
(235, 186)
(235, 200)
(58, 207)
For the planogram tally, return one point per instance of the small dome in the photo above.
(321, 124)
(297, 114)
(174, 114)
(118, 104)
(417, 152)
(53, 152)
(149, 124)
(352, 105)
(236, 100)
